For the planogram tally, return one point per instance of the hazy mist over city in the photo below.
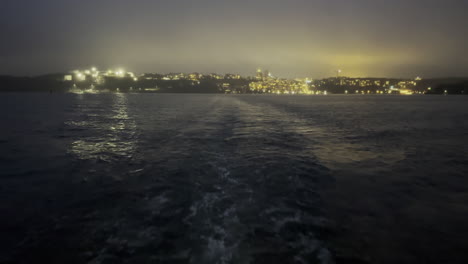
(298, 38)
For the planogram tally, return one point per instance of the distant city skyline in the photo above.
(258, 73)
(297, 38)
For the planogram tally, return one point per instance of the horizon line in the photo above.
(247, 76)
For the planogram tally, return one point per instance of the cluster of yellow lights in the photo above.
(279, 86)
(364, 83)
(95, 74)
(406, 92)
(268, 84)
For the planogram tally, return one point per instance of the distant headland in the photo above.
(97, 81)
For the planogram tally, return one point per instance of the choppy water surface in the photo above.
(138, 178)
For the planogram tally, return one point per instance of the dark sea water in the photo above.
(161, 178)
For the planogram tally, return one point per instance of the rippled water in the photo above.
(161, 178)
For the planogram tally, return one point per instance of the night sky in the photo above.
(294, 38)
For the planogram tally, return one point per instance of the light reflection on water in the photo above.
(110, 134)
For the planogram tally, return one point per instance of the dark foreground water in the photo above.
(152, 178)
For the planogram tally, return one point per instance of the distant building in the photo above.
(259, 75)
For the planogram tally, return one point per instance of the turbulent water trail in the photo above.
(261, 205)
(233, 187)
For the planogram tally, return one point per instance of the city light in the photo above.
(80, 76)
(406, 92)
(120, 73)
(263, 82)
